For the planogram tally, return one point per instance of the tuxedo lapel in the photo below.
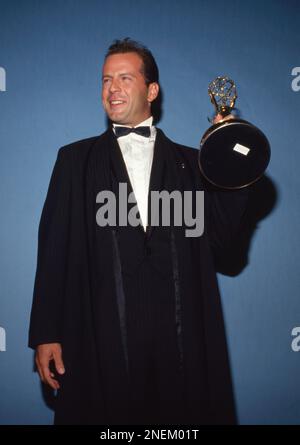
(130, 239)
(158, 173)
(118, 165)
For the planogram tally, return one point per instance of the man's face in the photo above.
(125, 96)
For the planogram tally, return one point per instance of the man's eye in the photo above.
(126, 78)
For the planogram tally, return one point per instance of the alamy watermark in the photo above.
(2, 79)
(295, 345)
(162, 204)
(2, 340)
(296, 81)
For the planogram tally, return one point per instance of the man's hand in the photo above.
(219, 117)
(44, 354)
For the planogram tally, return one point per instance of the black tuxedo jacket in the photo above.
(79, 300)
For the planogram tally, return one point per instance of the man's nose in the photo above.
(114, 86)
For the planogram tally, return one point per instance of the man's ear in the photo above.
(153, 90)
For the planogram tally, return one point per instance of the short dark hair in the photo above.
(149, 67)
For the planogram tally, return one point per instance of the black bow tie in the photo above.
(124, 131)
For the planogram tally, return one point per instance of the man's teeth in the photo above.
(116, 102)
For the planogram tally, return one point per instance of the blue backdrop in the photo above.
(51, 54)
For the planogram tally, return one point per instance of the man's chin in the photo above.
(116, 119)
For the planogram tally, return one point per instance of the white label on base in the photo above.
(241, 149)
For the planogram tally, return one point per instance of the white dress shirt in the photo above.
(137, 153)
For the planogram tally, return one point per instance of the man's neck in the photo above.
(144, 123)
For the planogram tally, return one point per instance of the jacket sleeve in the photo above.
(224, 216)
(48, 295)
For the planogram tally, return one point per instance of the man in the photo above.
(126, 320)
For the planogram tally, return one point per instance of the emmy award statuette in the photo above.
(233, 153)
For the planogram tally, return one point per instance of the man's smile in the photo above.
(116, 103)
